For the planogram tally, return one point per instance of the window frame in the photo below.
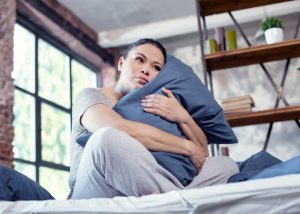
(39, 33)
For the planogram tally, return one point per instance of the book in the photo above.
(230, 36)
(211, 46)
(237, 99)
(238, 104)
(244, 109)
(233, 107)
(220, 38)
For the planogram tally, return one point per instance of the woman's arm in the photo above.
(154, 139)
(193, 132)
(170, 109)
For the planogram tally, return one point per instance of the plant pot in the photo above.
(274, 35)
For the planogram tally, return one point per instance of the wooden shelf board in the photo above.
(265, 116)
(253, 55)
(210, 7)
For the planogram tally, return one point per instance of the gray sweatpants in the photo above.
(115, 164)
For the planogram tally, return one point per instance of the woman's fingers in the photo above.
(197, 156)
(150, 105)
(168, 106)
(167, 92)
(153, 111)
(154, 104)
(152, 99)
(198, 162)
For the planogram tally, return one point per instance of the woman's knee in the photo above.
(104, 139)
(226, 166)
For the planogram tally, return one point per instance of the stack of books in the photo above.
(237, 105)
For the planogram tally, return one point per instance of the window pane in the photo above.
(25, 169)
(55, 135)
(24, 126)
(82, 77)
(55, 181)
(24, 59)
(54, 81)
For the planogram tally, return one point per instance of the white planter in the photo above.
(274, 35)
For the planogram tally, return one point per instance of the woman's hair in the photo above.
(147, 41)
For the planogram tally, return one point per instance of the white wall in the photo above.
(285, 139)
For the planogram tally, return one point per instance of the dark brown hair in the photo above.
(146, 41)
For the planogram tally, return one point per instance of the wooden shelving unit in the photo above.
(253, 55)
(210, 7)
(266, 116)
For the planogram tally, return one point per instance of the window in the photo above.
(46, 81)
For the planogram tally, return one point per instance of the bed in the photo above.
(279, 194)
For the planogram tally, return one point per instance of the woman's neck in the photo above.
(115, 92)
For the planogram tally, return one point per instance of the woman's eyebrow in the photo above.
(141, 54)
(155, 62)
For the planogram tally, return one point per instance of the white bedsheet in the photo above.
(273, 195)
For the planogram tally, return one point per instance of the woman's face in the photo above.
(142, 64)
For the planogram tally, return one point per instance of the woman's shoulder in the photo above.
(92, 95)
(90, 91)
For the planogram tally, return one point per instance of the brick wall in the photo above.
(7, 21)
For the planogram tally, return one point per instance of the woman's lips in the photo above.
(142, 80)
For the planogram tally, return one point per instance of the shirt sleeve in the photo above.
(85, 99)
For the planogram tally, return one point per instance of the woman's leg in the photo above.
(215, 170)
(114, 164)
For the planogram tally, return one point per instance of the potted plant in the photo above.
(273, 30)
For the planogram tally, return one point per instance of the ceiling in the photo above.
(108, 15)
(119, 22)
(111, 18)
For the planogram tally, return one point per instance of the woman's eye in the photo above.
(139, 59)
(157, 68)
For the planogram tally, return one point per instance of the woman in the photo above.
(116, 160)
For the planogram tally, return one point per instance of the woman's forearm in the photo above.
(155, 139)
(193, 132)
(99, 116)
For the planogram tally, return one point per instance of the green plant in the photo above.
(271, 22)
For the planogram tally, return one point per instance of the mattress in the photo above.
(271, 195)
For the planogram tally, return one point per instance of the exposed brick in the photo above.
(7, 21)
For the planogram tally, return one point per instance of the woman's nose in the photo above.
(145, 71)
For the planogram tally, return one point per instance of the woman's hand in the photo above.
(167, 107)
(197, 154)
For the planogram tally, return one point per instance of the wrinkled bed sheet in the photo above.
(270, 195)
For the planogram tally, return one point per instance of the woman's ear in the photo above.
(120, 63)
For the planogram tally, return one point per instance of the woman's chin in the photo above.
(137, 86)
